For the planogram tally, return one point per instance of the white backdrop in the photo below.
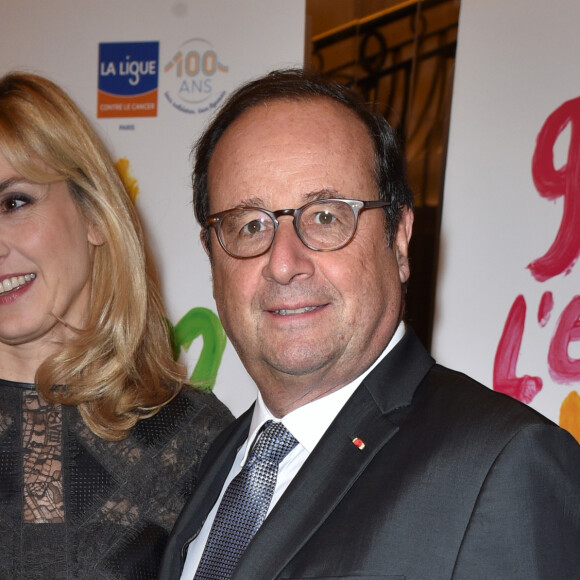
(205, 49)
(511, 227)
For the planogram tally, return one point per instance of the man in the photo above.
(402, 468)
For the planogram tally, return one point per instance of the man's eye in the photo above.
(13, 203)
(324, 218)
(253, 227)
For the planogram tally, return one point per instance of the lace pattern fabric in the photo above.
(73, 505)
(42, 461)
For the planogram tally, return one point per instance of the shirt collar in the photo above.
(309, 422)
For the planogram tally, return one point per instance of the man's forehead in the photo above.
(307, 146)
(321, 107)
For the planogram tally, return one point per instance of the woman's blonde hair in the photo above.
(120, 368)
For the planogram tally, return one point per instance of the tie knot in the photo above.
(274, 443)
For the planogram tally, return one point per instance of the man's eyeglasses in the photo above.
(323, 225)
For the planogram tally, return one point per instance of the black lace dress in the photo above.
(73, 505)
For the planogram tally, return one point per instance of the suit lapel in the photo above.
(327, 475)
(336, 463)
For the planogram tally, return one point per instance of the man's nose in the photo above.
(288, 257)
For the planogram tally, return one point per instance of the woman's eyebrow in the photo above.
(10, 182)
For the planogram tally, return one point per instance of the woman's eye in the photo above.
(13, 202)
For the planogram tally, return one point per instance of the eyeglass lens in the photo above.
(322, 225)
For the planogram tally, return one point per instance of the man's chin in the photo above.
(300, 361)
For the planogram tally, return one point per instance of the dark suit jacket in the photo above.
(454, 481)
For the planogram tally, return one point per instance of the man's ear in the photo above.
(204, 236)
(401, 243)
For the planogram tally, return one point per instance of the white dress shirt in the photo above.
(307, 424)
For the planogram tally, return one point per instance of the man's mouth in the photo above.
(290, 312)
(15, 282)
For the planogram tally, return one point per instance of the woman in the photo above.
(99, 446)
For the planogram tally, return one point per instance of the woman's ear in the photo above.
(95, 236)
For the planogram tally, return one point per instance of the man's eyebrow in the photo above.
(325, 193)
(251, 202)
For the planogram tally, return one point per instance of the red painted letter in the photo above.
(552, 183)
(506, 357)
(545, 308)
(563, 369)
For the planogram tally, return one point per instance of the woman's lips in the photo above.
(14, 282)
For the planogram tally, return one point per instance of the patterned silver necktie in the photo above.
(245, 504)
